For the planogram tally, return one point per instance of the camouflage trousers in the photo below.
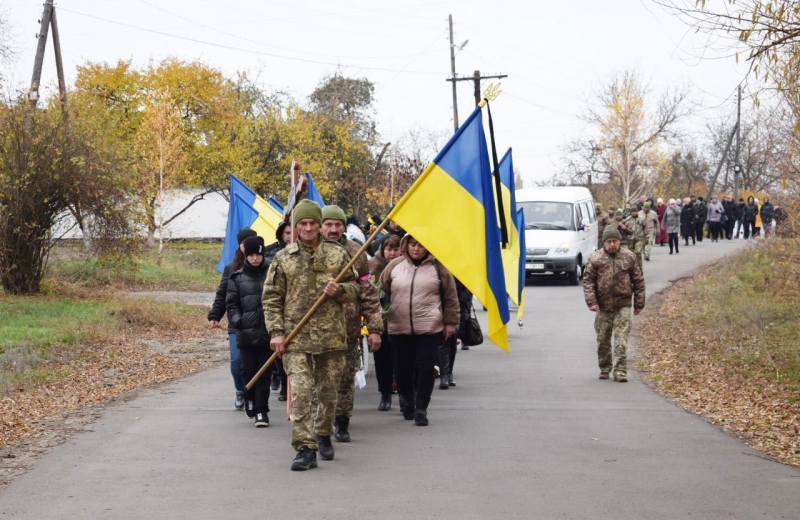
(347, 385)
(638, 248)
(314, 377)
(648, 245)
(618, 324)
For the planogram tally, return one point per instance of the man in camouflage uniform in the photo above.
(637, 239)
(315, 358)
(602, 222)
(612, 277)
(619, 224)
(649, 221)
(368, 305)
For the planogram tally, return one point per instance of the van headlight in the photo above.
(563, 248)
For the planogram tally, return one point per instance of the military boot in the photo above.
(386, 403)
(342, 424)
(444, 382)
(325, 447)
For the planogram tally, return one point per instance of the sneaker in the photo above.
(421, 418)
(249, 407)
(620, 378)
(603, 375)
(275, 382)
(325, 447)
(444, 383)
(239, 402)
(386, 403)
(262, 421)
(306, 459)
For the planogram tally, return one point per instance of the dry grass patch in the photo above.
(726, 345)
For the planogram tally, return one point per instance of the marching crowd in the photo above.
(408, 305)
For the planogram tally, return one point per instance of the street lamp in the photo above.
(736, 171)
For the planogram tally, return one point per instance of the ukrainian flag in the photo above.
(246, 209)
(512, 255)
(519, 222)
(450, 210)
(313, 192)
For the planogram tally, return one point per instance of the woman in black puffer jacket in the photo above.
(218, 311)
(687, 221)
(246, 315)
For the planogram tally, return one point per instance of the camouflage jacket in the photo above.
(649, 220)
(622, 227)
(295, 281)
(611, 280)
(602, 222)
(368, 303)
(637, 228)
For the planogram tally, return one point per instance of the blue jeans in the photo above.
(236, 362)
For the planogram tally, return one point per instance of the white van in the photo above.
(560, 230)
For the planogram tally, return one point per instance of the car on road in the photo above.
(560, 230)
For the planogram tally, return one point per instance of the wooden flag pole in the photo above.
(319, 302)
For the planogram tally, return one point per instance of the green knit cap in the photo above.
(646, 204)
(333, 212)
(610, 232)
(306, 209)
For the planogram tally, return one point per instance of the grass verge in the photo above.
(183, 267)
(726, 345)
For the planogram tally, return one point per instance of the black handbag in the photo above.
(470, 332)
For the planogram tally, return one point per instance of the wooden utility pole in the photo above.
(737, 169)
(476, 78)
(48, 19)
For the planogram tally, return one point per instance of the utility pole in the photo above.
(737, 170)
(48, 19)
(453, 74)
(476, 78)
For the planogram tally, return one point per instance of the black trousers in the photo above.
(715, 229)
(673, 242)
(698, 230)
(281, 376)
(384, 365)
(447, 355)
(729, 228)
(252, 361)
(414, 357)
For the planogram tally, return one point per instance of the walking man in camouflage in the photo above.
(602, 222)
(368, 304)
(314, 360)
(649, 220)
(612, 277)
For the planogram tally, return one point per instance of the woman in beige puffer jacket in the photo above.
(423, 312)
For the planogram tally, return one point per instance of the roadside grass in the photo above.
(726, 345)
(188, 266)
(41, 337)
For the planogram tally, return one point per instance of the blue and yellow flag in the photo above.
(246, 209)
(450, 210)
(511, 253)
(519, 222)
(313, 192)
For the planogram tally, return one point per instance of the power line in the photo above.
(240, 49)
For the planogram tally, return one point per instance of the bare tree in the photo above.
(626, 149)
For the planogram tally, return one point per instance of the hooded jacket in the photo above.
(417, 304)
(245, 311)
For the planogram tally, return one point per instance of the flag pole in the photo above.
(320, 301)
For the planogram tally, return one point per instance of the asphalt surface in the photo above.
(533, 434)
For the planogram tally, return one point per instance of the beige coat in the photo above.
(416, 304)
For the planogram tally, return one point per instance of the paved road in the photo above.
(530, 435)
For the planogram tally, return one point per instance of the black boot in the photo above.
(386, 403)
(421, 418)
(407, 407)
(451, 381)
(444, 382)
(325, 447)
(342, 424)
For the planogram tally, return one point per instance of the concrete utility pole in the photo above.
(737, 169)
(48, 19)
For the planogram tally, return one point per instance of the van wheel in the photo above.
(577, 274)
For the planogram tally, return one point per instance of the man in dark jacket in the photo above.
(700, 216)
(246, 315)
(391, 229)
(730, 216)
(218, 311)
(767, 214)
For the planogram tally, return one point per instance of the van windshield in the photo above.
(547, 215)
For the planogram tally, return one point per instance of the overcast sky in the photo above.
(554, 53)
